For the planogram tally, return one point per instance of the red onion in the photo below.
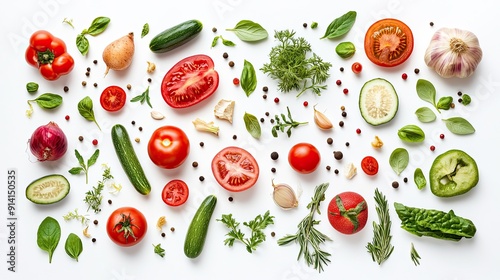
(48, 142)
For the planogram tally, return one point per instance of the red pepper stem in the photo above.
(46, 57)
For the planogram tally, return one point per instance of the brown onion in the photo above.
(48, 142)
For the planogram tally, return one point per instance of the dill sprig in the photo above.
(93, 197)
(308, 237)
(381, 247)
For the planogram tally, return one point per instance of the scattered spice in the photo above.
(336, 171)
(84, 83)
(265, 89)
(110, 201)
(66, 88)
(405, 179)
(95, 142)
(66, 117)
(344, 114)
(338, 82)
(305, 103)
(231, 63)
(304, 24)
(417, 70)
(274, 155)
(341, 69)
(95, 61)
(95, 84)
(137, 139)
(80, 138)
(214, 29)
(273, 170)
(225, 55)
(172, 229)
(432, 148)
(338, 155)
(358, 131)
(129, 86)
(329, 140)
(235, 137)
(404, 76)
(441, 136)
(276, 100)
(163, 234)
(395, 184)
(230, 199)
(341, 123)
(195, 164)
(328, 167)
(347, 144)
(94, 240)
(202, 144)
(345, 91)
(96, 222)
(201, 178)
(431, 23)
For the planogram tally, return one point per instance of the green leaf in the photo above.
(411, 133)
(159, 250)
(82, 43)
(215, 41)
(248, 78)
(425, 115)
(249, 31)
(79, 158)
(73, 246)
(48, 100)
(145, 30)
(92, 160)
(144, 97)
(340, 25)
(252, 125)
(426, 91)
(76, 170)
(399, 160)
(419, 178)
(345, 49)
(227, 43)
(48, 235)
(86, 110)
(459, 126)
(32, 87)
(98, 26)
(444, 103)
(466, 99)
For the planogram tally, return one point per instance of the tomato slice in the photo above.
(175, 193)
(388, 42)
(190, 81)
(369, 165)
(235, 169)
(113, 98)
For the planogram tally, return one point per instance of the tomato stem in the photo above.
(126, 226)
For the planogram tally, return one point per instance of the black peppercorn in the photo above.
(329, 140)
(225, 55)
(395, 184)
(338, 155)
(274, 155)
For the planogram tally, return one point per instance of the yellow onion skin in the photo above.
(451, 59)
(48, 142)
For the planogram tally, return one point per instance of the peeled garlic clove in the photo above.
(322, 120)
(224, 110)
(284, 196)
(157, 115)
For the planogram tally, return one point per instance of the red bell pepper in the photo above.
(48, 54)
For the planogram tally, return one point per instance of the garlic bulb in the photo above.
(453, 52)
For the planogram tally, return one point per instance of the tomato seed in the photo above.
(404, 76)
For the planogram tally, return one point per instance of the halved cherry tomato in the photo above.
(388, 42)
(235, 169)
(175, 193)
(168, 147)
(369, 165)
(126, 226)
(113, 98)
(304, 158)
(190, 81)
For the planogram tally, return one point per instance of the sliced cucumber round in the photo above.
(48, 189)
(378, 101)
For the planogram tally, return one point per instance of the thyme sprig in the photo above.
(283, 123)
(380, 248)
(93, 197)
(308, 237)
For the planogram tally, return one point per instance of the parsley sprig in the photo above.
(283, 123)
(256, 226)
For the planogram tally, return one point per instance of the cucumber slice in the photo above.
(48, 189)
(378, 101)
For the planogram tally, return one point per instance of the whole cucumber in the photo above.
(175, 36)
(197, 231)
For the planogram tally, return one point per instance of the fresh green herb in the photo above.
(84, 167)
(419, 178)
(444, 103)
(48, 235)
(248, 78)
(283, 123)
(32, 87)
(308, 237)
(411, 133)
(425, 115)
(252, 125)
(74, 215)
(426, 91)
(399, 159)
(82, 43)
(69, 22)
(97, 26)
(249, 31)
(466, 99)
(380, 248)
(340, 26)
(159, 250)
(415, 257)
(145, 30)
(86, 110)
(73, 246)
(144, 97)
(345, 49)
(225, 42)
(314, 25)
(459, 126)
(289, 63)
(45, 101)
(256, 226)
(434, 223)
(93, 197)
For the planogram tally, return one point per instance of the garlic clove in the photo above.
(377, 143)
(157, 115)
(202, 125)
(224, 110)
(322, 120)
(350, 171)
(284, 196)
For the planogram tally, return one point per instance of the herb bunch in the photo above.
(380, 248)
(290, 62)
(283, 123)
(308, 237)
(93, 197)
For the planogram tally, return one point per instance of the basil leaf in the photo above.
(93, 158)
(345, 49)
(419, 178)
(48, 235)
(79, 158)
(227, 42)
(425, 115)
(411, 133)
(215, 41)
(444, 103)
(73, 246)
(252, 125)
(76, 170)
(459, 125)
(86, 110)
(249, 31)
(426, 91)
(340, 25)
(32, 87)
(49, 100)
(145, 30)
(82, 44)
(466, 99)
(97, 26)
(399, 160)
(248, 78)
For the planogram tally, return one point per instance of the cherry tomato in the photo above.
(190, 81)
(388, 42)
(369, 165)
(348, 212)
(168, 147)
(235, 169)
(175, 193)
(304, 158)
(126, 226)
(356, 67)
(113, 98)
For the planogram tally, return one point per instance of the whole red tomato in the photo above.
(168, 147)
(348, 212)
(126, 226)
(235, 169)
(304, 158)
(48, 54)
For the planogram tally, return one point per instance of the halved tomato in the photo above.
(113, 98)
(369, 165)
(175, 192)
(388, 42)
(190, 81)
(235, 169)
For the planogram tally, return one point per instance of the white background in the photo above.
(475, 258)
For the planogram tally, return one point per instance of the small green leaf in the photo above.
(76, 170)
(86, 110)
(399, 160)
(82, 43)
(249, 31)
(252, 125)
(345, 50)
(459, 125)
(227, 43)
(48, 100)
(48, 235)
(419, 178)
(144, 97)
(314, 25)
(248, 78)
(444, 103)
(98, 26)
(426, 91)
(79, 158)
(215, 41)
(411, 133)
(92, 160)
(73, 246)
(145, 30)
(466, 99)
(340, 25)
(425, 115)
(159, 250)
(32, 87)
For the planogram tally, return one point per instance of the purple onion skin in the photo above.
(48, 142)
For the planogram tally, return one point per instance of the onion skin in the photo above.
(48, 142)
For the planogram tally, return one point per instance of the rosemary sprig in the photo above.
(415, 257)
(283, 123)
(308, 237)
(93, 197)
(381, 247)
